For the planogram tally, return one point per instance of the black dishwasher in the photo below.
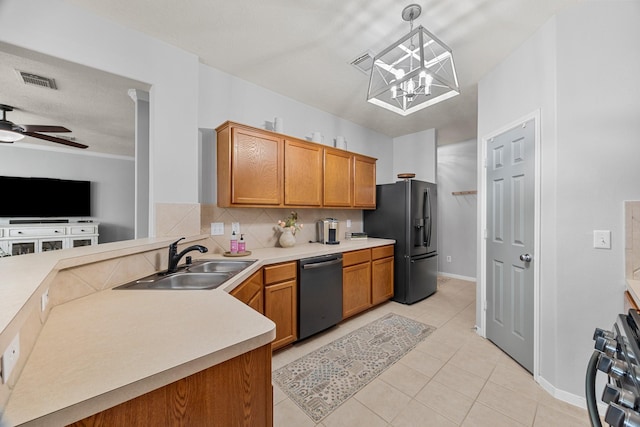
(319, 294)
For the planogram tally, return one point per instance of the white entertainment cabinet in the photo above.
(20, 239)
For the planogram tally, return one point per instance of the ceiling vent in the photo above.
(35, 80)
(364, 62)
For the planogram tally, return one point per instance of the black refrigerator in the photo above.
(406, 212)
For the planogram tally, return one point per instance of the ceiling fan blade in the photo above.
(41, 128)
(54, 139)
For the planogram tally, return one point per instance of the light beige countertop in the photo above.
(22, 275)
(128, 343)
(111, 346)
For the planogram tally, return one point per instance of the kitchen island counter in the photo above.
(111, 346)
(96, 352)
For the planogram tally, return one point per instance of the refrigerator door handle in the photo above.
(426, 213)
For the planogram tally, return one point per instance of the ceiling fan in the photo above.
(10, 132)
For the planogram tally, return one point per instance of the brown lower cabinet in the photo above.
(281, 301)
(382, 262)
(367, 279)
(250, 292)
(356, 282)
(237, 392)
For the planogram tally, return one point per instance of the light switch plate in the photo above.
(10, 358)
(235, 226)
(217, 228)
(602, 239)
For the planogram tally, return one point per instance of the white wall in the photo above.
(415, 153)
(598, 154)
(457, 171)
(111, 177)
(580, 70)
(224, 97)
(56, 28)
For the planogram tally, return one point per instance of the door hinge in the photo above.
(485, 305)
(485, 233)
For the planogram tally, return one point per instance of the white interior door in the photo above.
(510, 242)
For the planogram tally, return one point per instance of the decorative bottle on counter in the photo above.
(234, 243)
(241, 244)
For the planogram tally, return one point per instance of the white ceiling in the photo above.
(300, 49)
(93, 104)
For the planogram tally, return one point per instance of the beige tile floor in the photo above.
(453, 378)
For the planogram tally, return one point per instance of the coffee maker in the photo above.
(328, 231)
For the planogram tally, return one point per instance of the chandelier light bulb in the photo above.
(411, 87)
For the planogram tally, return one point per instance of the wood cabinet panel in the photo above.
(257, 168)
(356, 257)
(280, 305)
(279, 272)
(381, 279)
(338, 178)
(356, 289)
(250, 292)
(381, 252)
(364, 182)
(249, 167)
(302, 173)
(237, 392)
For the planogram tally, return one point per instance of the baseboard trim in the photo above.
(565, 396)
(457, 276)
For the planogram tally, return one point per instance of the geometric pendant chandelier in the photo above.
(413, 73)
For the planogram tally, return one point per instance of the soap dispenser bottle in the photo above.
(234, 243)
(241, 245)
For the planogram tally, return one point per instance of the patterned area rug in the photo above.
(323, 379)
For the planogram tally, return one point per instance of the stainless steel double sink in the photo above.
(199, 275)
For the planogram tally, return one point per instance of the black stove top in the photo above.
(617, 354)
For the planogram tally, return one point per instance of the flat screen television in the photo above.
(44, 197)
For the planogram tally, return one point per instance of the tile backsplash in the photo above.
(259, 225)
(632, 239)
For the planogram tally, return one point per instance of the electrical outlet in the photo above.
(448, 258)
(10, 358)
(602, 239)
(348, 223)
(235, 226)
(44, 300)
(217, 228)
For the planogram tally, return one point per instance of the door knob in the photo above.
(525, 258)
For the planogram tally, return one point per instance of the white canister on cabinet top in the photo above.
(341, 143)
(278, 124)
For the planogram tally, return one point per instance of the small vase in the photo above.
(287, 239)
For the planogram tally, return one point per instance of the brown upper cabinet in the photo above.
(250, 165)
(364, 182)
(302, 173)
(338, 181)
(259, 168)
